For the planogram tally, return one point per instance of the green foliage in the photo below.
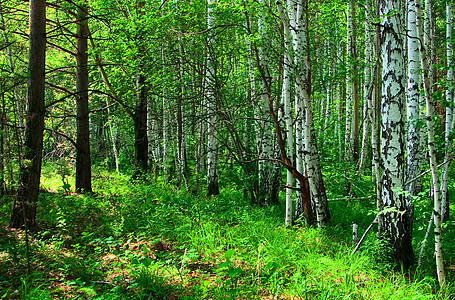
(140, 241)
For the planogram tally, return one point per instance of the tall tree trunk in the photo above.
(268, 171)
(286, 102)
(428, 40)
(449, 123)
(140, 125)
(303, 88)
(297, 25)
(432, 156)
(211, 97)
(25, 203)
(140, 109)
(312, 160)
(394, 225)
(252, 96)
(181, 134)
(413, 95)
(368, 86)
(83, 163)
(352, 94)
(375, 117)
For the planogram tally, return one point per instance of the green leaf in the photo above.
(233, 272)
(229, 253)
(225, 264)
(147, 261)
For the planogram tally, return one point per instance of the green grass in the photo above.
(136, 241)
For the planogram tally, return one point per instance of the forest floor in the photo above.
(137, 241)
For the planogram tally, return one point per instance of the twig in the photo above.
(375, 221)
(428, 171)
(350, 198)
(424, 242)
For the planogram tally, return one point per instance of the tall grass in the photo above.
(132, 240)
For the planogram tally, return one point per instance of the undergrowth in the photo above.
(131, 240)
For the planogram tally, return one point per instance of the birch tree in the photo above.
(450, 120)
(395, 221)
(268, 192)
(286, 102)
(368, 84)
(412, 103)
(432, 155)
(303, 86)
(352, 99)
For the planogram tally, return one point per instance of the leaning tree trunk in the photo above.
(312, 160)
(394, 224)
(83, 163)
(25, 203)
(311, 156)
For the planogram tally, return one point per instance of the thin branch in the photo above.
(63, 135)
(428, 171)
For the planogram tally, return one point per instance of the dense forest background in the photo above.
(162, 149)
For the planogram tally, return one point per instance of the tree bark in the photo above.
(286, 102)
(140, 109)
(25, 204)
(394, 225)
(352, 97)
(449, 122)
(83, 163)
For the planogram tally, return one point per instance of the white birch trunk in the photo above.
(368, 84)
(286, 100)
(449, 114)
(267, 169)
(311, 155)
(432, 153)
(428, 40)
(165, 134)
(413, 94)
(394, 225)
(349, 80)
(295, 11)
(113, 140)
(375, 118)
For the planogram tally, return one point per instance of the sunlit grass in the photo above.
(132, 240)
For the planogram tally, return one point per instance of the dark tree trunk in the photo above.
(140, 110)
(2, 148)
(140, 126)
(24, 211)
(83, 164)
